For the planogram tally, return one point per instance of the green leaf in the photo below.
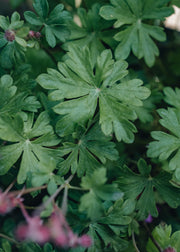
(172, 97)
(35, 154)
(11, 102)
(91, 204)
(77, 82)
(54, 23)
(137, 36)
(167, 145)
(110, 240)
(92, 150)
(94, 31)
(41, 7)
(4, 23)
(164, 237)
(32, 18)
(91, 201)
(118, 213)
(142, 186)
(50, 36)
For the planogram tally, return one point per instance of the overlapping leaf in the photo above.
(163, 235)
(91, 202)
(167, 145)
(136, 34)
(108, 227)
(54, 23)
(91, 150)
(94, 31)
(30, 141)
(12, 102)
(89, 86)
(141, 187)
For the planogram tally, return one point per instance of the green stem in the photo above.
(44, 205)
(134, 242)
(152, 238)
(8, 238)
(77, 188)
(28, 190)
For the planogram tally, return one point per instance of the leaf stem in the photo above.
(10, 186)
(77, 188)
(152, 238)
(28, 190)
(9, 238)
(64, 201)
(40, 29)
(44, 205)
(134, 242)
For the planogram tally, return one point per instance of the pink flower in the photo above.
(34, 230)
(57, 232)
(85, 241)
(62, 234)
(8, 202)
(31, 34)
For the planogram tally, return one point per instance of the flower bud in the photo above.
(10, 35)
(169, 249)
(85, 241)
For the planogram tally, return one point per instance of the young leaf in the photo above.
(91, 201)
(137, 35)
(77, 82)
(54, 24)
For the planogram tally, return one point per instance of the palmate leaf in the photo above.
(167, 145)
(12, 102)
(86, 84)
(54, 23)
(94, 31)
(30, 141)
(91, 202)
(142, 186)
(105, 232)
(137, 35)
(163, 235)
(91, 151)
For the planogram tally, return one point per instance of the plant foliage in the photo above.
(89, 126)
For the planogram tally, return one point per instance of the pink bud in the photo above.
(9, 35)
(7, 202)
(37, 35)
(56, 231)
(85, 241)
(169, 249)
(31, 34)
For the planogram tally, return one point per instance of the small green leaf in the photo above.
(32, 18)
(50, 36)
(41, 7)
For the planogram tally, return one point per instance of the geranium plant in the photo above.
(89, 126)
